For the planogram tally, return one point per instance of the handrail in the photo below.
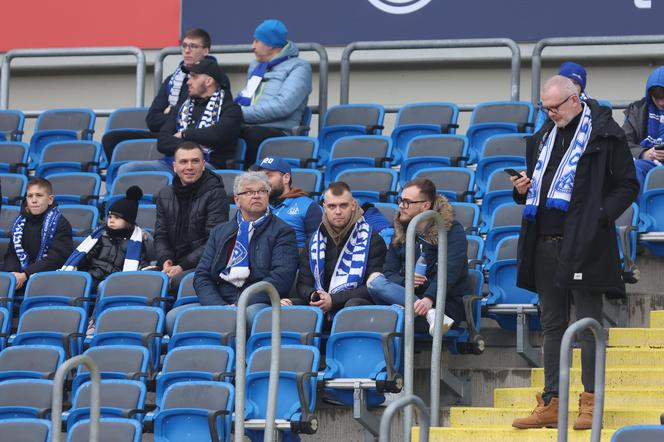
(580, 41)
(240, 356)
(563, 383)
(391, 410)
(323, 68)
(73, 52)
(409, 333)
(431, 44)
(58, 389)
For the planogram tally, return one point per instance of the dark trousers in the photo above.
(555, 318)
(111, 139)
(254, 136)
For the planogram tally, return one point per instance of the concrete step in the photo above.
(505, 434)
(627, 357)
(615, 377)
(485, 416)
(636, 337)
(657, 319)
(619, 397)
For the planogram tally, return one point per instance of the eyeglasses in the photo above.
(260, 192)
(555, 108)
(407, 203)
(191, 46)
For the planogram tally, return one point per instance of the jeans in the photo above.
(171, 316)
(555, 317)
(385, 292)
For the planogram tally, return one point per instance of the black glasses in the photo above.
(261, 192)
(407, 203)
(555, 108)
(192, 46)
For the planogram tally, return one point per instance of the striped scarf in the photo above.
(247, 96)
(49, 226)
(560, 192)
(352, 263)
(132, 258)
(175, 85)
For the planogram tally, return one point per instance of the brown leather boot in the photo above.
(542, 415)
(584, 421)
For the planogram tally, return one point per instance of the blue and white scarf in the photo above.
(246, 95)
(237, 271)
(352, 263)
(132, 258)
(49, 226)
(210, 115)
(175, 85)
(560, 192)
(654, 124)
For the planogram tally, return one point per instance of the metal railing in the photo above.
(241, 353)
(323, 68)
(563, 382)
(409, 332)
(582, 41)
(73, 52)
(397, 405)
(58, 390)
(430, 44)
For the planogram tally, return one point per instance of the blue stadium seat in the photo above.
(57, 288)
(11, 125)
(429, 151)
(8, 215)
(309, 180)
(371, 184)
(300, 325)
(30, 362)
(498, 153)
(127, 118)
(195, 363)
(651, 205)
(186, 293)
(346, 120)
(464, 338)
(76, 188)
(110, 428)
(365, 344)
(356, 152)
(468, 215)
(131, 150)
(33, 430)
(228, 177)
(204, 325)
(115, 362)
(305, 125)
(14, 186)
(298, 368)
(475, 252)
(14, 157)
(83, 218)
(297, 151)
(639, 433)
(25, 398)
(627, 230)
(7, 292)
(69, 156)
(56, 325)
(193, 411)
(419, 119)
(135, 288)
(498, 117)
(61, 125)
(118, 398)
(456, 183)
(149, 182)
(5, 326)
(505, 221)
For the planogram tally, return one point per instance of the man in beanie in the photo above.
(278, 86)
(291, 204)
(208, 117)
(577, 74)
(173, 91)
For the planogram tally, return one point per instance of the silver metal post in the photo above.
(240, 356)
(394, 407)
(437, 345)
(58, 389)
(563, 386)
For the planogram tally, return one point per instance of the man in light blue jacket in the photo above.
(275, 97)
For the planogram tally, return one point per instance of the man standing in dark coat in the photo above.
(580, 178)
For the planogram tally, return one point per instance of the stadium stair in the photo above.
(634, 394)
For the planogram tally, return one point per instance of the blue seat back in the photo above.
(14, 186)
(371, 184)
(76, 188)
(297, 151)
(127, 118)
(346, 120)
(11, 125)
(456, 183)
(14, 156)
(57, 288)
(35, 430)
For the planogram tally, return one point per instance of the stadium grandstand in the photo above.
(399, 90)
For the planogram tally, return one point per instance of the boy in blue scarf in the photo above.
(40, 237)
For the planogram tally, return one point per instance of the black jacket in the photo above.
(61, 247)
(636, 126)
(207, 209)
(305, 280)
(221, 137)
(156, 117)
(605, 185)
(108, 256)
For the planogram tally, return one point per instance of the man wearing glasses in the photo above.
(254, 246)
(580, 178)
(387, 288)
(195, 47)
(339, 256)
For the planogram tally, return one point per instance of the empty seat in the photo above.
(25, 398)
(69, 156)
(131, 150)
(30, 362)
(14, 186)
(371, 184)
(192, 411)
(8, 215)
(13, 156)
(505, 221)
(117, 398)
(651, 205)
(389, 210)
(57, 288)
(309, 180)
(83, 219)
(468, 215)
(111, 429)
(186, 292)
(149, 182)
(5, 326)
(300, 325)
(7, 288)
(127, 118)
(228, 177)
(498, 153)
(25, 430)
(475, 252)
(356, 152)
(298, 151)
(61, 125)
(639, 433)
(115, 362)
(428, 151)
(345, 120)
(204, 325)
(76, 188)
(456, 183)
(11, 125)
(134, 288)
(58, 326)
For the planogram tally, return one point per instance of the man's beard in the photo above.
(276, 193)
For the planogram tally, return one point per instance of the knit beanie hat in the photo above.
(574, 72)
(127, 207)
(272, 32)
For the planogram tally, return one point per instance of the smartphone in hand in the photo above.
(512, 172)
(659, 147)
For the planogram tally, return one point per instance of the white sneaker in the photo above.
(431, 318)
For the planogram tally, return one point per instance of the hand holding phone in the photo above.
(512, 172)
